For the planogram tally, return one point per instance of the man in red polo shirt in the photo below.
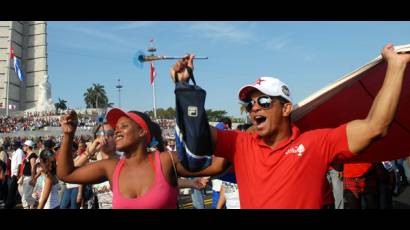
(277, 166)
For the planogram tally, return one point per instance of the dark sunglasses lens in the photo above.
(105, 133)
(248, 105)
(100, 133)
(109, 132)
(264, 101)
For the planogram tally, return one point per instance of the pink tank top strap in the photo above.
(116, 175)
(158, 167)
(151, 161)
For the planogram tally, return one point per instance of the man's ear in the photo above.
(287, 109)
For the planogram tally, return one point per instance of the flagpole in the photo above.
(8, 71)
(152, 49)
(153, 96)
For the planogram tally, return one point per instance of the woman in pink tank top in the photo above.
(140, 179)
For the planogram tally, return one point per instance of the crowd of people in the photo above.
(167, 127)
(28, 174)
(37, 121)
(268, 164)
(26, 123)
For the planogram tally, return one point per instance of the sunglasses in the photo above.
(264, 102)
(109, 132)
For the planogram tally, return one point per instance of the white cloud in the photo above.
(135, 25)
(308, 58)
(223, 31)
(279, 42)
(97, 38)
(104, 35)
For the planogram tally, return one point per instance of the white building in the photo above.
(29, 41)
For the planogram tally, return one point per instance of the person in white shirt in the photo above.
(229, 196)
(16, 160)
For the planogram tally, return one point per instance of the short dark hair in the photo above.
(227, 121)
(247, 126)
(281, 99)
(49, 144)
(75, 145)
(154, 129)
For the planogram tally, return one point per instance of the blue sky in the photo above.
(305, 55)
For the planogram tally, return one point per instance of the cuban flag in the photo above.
(17, 65)
(152, 73)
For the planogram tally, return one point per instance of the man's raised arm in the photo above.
(360, 133)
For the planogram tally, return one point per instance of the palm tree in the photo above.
(101, 100)
(243, 110)
(89, 96)
(61, 104)
(96, 97)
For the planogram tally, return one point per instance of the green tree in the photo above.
(150, 113)
(170, 113)
(101, 100)
(243, 110)
(215, 115)
(96, 97)
(162, 113)
(61, 104)
(89, 98)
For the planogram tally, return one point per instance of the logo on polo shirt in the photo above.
(298, 150)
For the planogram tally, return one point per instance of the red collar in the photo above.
(295, 134)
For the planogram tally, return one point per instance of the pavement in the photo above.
(185, 201)
(402, 201)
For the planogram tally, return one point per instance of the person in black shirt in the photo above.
(29, 172)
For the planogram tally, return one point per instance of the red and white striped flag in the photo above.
(152, 74)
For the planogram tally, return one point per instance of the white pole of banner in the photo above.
(153, 97)
(8, 71)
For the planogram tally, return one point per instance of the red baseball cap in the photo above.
(115, 113)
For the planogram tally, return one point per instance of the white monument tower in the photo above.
(29, 41)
